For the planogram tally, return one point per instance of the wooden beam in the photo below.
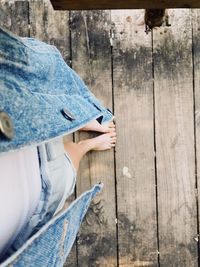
(122, 4)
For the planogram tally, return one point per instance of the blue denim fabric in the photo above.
(51, 245)
(35, 86)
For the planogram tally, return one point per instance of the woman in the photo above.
(41, 100)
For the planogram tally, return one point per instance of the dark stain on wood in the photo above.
(181, 255)
(133, 234)
(131, 59)
(20, 18)
(96, 42)
(98, 248)
(102, 247)
(171, 66)
(15, 17)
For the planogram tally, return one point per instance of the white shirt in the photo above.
(20, 188)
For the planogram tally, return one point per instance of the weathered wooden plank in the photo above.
(196, 65)
(122, 4)
(53, 27)
(173, 80)
(91, 58)
(5, 14)
(50, 26)
(20, 18)
(15, 16)
(133, 98)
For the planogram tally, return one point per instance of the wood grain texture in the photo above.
(133, 98)
(173, 79)
(5, 14)
(50, 26)
(125, 55)
(91, 59)
(14, 16)
(20, 18)
(122, 4)
(196, 64)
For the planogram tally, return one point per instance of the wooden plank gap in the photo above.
(155, 151)
(196, 101)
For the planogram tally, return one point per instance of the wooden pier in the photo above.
(148, 212)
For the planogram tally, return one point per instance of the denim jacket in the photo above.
(42, 95)
(42, 99)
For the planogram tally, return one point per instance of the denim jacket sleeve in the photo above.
(43, 97)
